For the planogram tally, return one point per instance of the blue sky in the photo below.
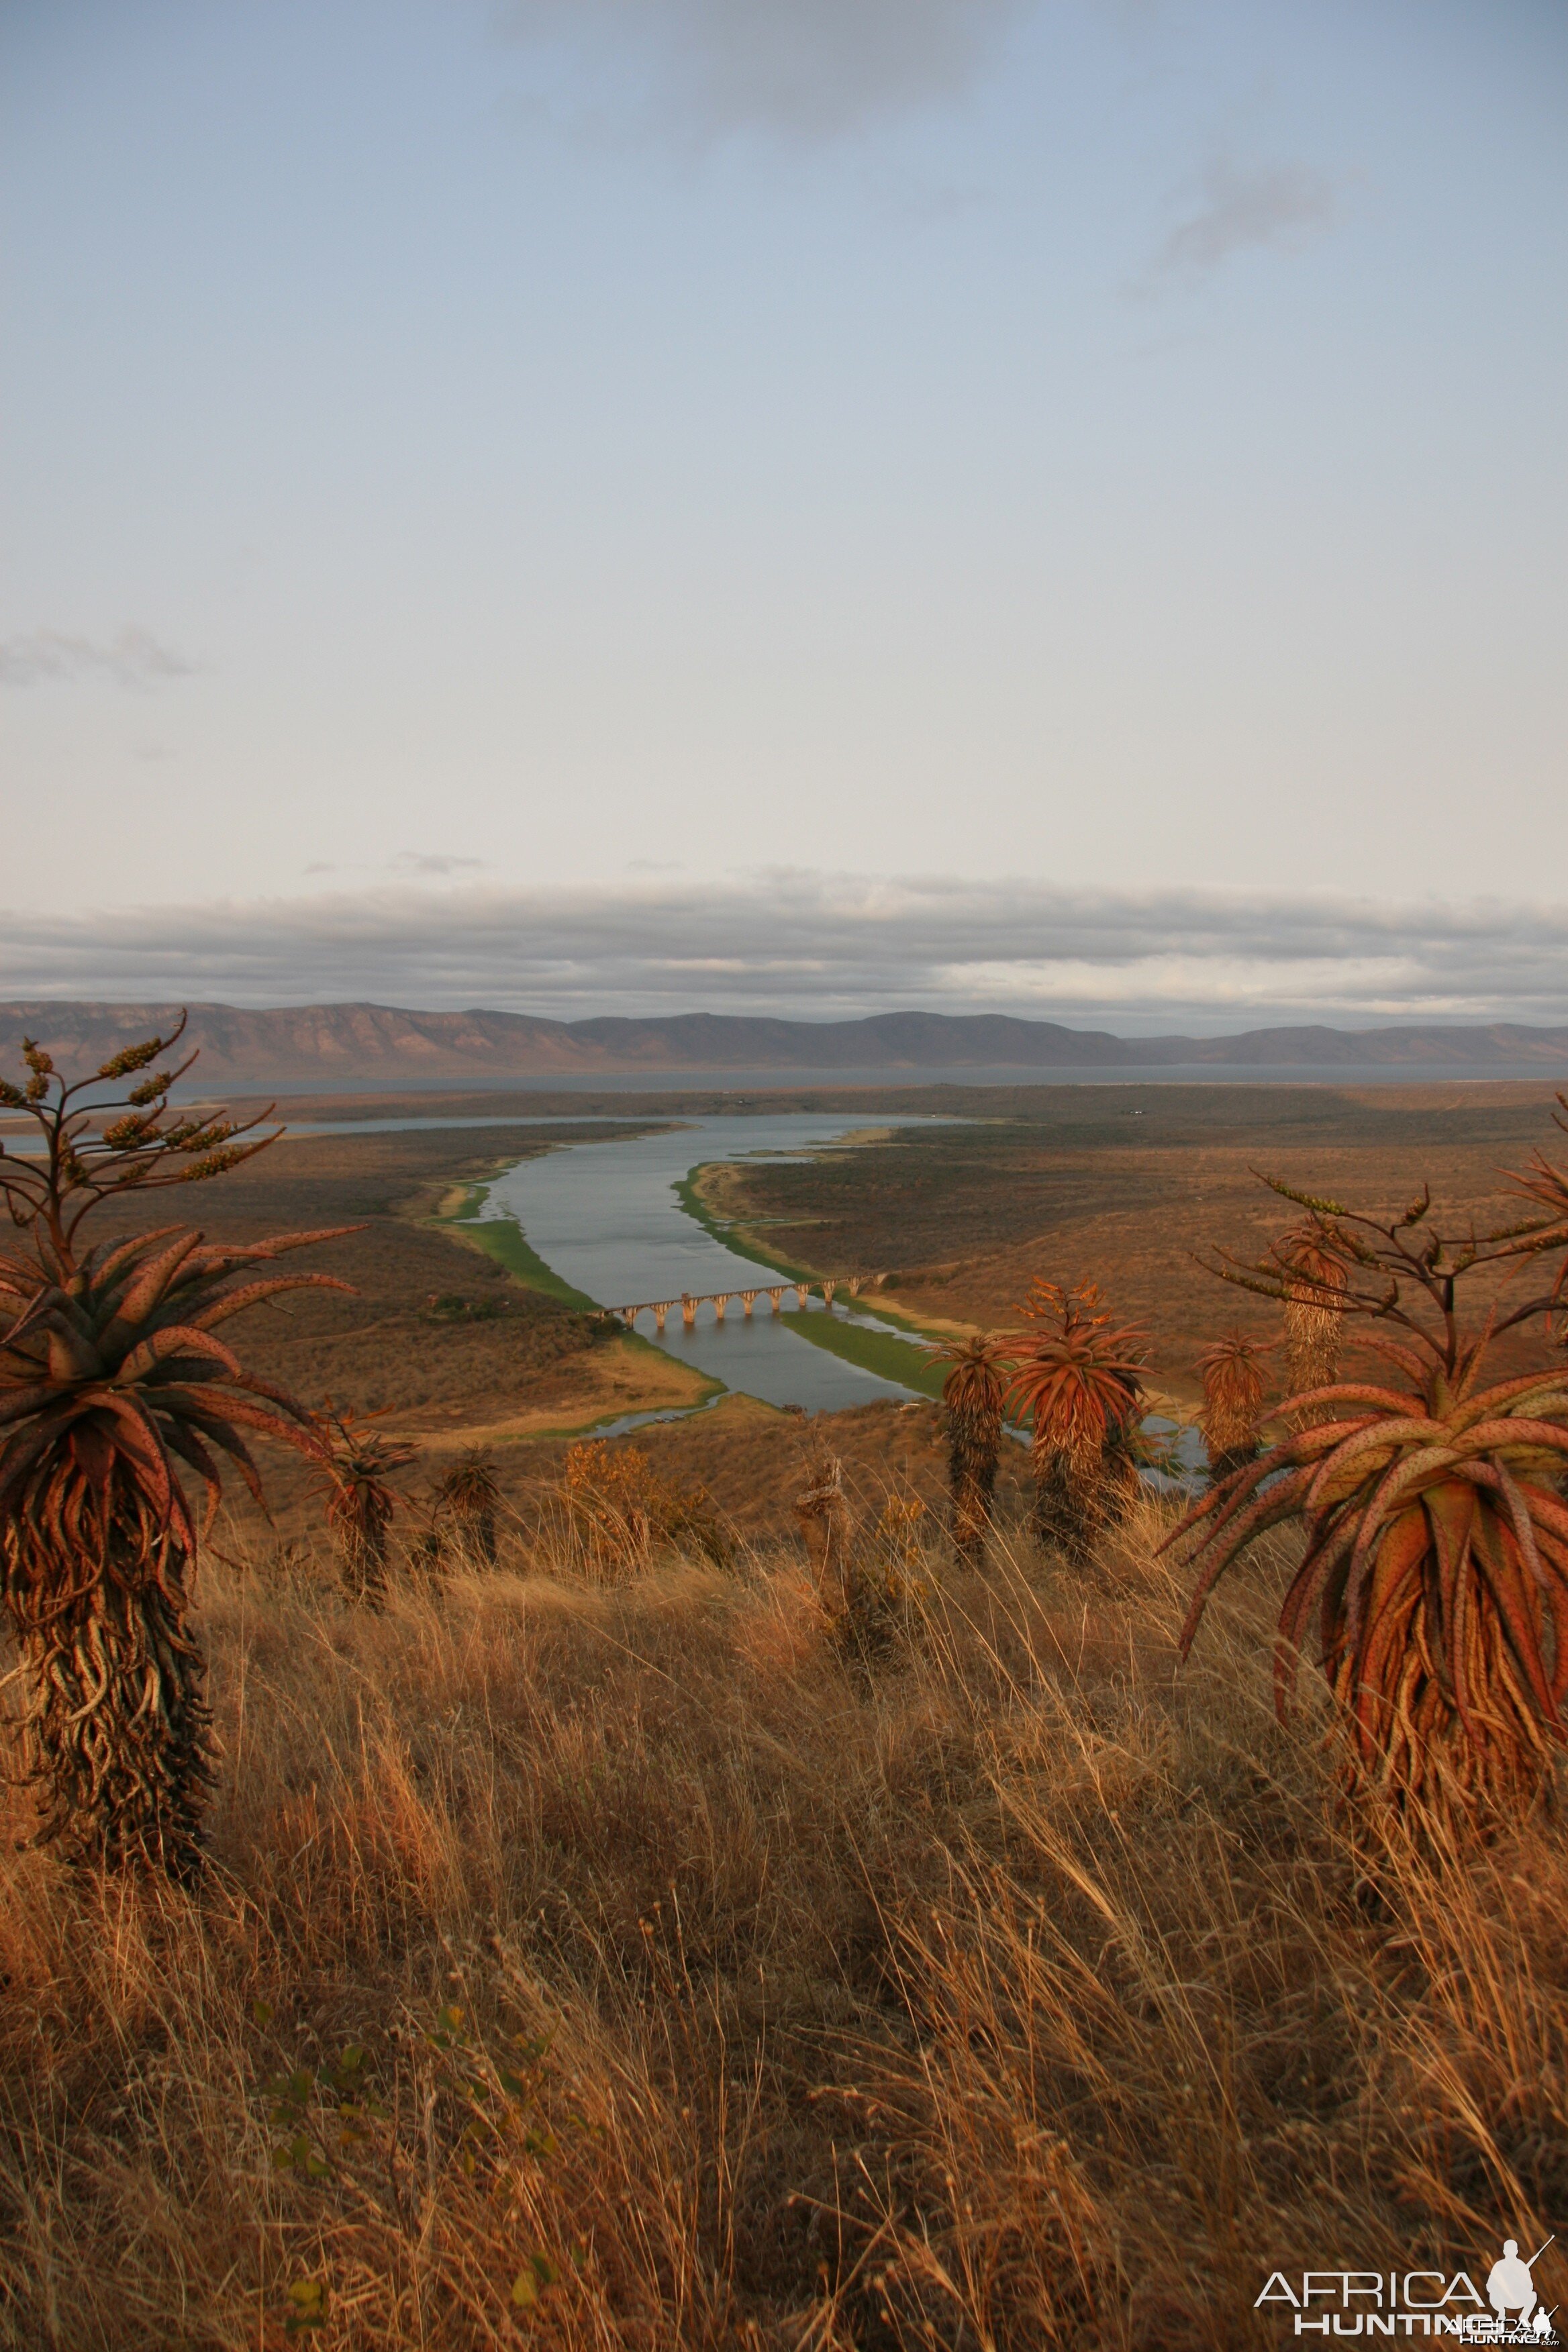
(486, 484)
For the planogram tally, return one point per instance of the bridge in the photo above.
(774, 1293)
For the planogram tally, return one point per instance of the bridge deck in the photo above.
(690, 1300)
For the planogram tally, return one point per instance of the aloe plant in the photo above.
(354, 1477)
(1234, 1384)
(1079, 1381)
(1435, 1568)
(973, 1395)
(468, 1495)
(115, 1391)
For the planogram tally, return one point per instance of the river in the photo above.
(607, 1218)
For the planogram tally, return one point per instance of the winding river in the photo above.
(607, 1219)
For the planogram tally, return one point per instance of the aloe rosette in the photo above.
(113, 1388)
(1079, 1381)
(113, 1381)
(974, 1396)
(1436, 1566)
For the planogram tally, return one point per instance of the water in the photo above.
(605, 1217)
(417, 1126)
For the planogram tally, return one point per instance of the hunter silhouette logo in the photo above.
(1419, 2303)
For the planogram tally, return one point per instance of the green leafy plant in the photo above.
(501, 2118)
(324, 2114)
(1078, 1379)
(113, 1385)
(308, 2302)
(1436, 1558)
(974, 1396)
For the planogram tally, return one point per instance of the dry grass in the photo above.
(996, 1984)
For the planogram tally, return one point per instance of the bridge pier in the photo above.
(662, 1308)
(688, 1310)
(827, 1290)
(721, 1301)
(802, 1293)
(775, 1298)
(629, 1317)
(748, 1300)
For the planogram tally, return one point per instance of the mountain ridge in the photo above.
(360, 1042)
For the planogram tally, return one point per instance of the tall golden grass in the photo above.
(720, 1984)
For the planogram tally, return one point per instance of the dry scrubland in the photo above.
(996, 1983)
(1127, 1183)
(434, 1331)
(976, 1977)
(435, 1335)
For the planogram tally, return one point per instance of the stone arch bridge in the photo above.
(774, 1293)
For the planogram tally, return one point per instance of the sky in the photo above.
(1046, 505)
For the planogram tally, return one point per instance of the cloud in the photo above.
(808, 69)
(1267, 204)
(429, 863)
(133, 659)
(823, 946)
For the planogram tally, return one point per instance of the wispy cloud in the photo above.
(133, 659)
(832, 946)
(427, 864)
(806, 69)
(1238, 207)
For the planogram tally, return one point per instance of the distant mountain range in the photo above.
(310, 1044)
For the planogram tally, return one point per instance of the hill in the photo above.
(356, 1043)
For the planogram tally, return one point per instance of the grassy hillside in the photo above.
(644, 1960)
(722, 1985)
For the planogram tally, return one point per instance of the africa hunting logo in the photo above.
(1418, 2302)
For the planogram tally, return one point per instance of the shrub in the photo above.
(618, 1508)
(828, 1528)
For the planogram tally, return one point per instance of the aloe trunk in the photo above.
(973, 1444)
(117, 1735)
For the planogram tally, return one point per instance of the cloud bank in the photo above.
(808, 945)
(806, 69)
